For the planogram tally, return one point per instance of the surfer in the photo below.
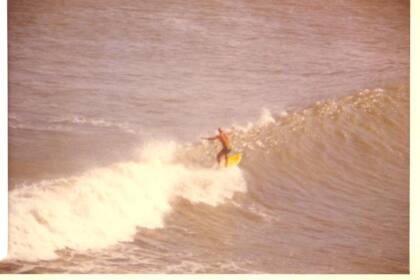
(224, 140)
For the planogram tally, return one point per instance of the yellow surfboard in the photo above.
(234, 159)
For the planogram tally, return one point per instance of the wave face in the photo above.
(319, 189)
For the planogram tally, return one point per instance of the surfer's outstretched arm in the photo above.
(211, 138)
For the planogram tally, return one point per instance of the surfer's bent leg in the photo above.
(219, 156)
(225, 152)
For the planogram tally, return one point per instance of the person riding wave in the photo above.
(224, 140)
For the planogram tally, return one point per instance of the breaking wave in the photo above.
(309, 158)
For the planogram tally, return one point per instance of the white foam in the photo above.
(284, 114)
(38, 127)
(100, 123)
(264, 119)
(58, 125)
(105, 205)
(95, 122)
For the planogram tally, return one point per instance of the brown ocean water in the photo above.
(107, 104)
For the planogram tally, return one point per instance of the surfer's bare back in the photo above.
(224, 140)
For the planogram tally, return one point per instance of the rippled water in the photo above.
(107, 101)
